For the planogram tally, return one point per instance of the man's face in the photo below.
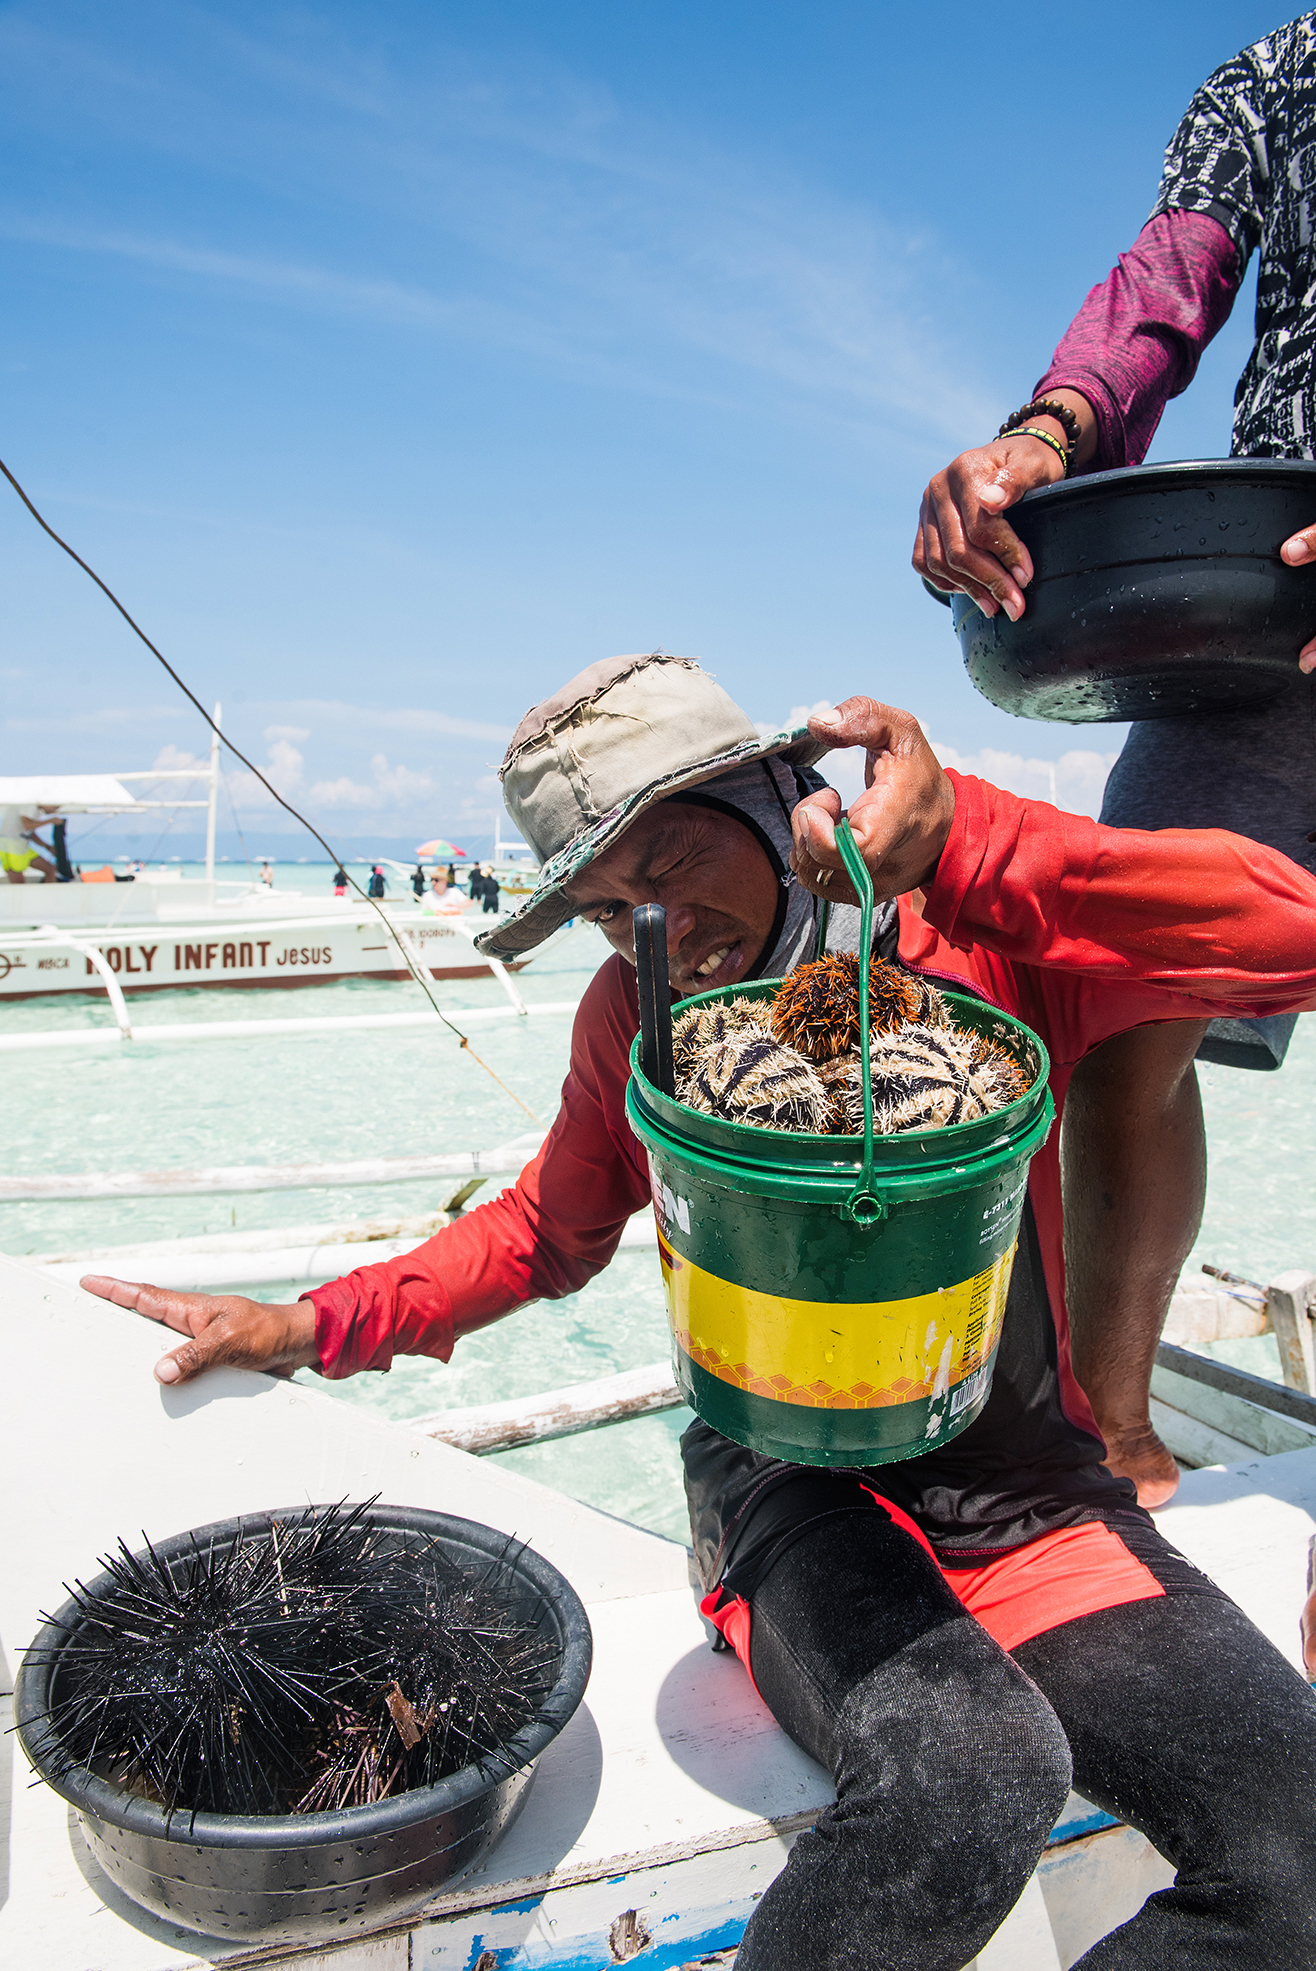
(711, 876)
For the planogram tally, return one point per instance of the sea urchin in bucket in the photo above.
(836, 1272)
(794, 1062)
(301, 1724)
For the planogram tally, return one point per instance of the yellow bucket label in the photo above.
(828, 1356)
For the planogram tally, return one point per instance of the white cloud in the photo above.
(172, 759)
(342, 793)
(283, 768)
(410, 719)
(393, 787)
(599, 236)
(1075, 782)
(384, 300)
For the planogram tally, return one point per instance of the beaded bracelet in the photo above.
(1031, 431)
(1045, 407)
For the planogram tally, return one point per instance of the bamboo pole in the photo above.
(177, 1265)
(221, 1179)
(557, 1413)
(460, 1017)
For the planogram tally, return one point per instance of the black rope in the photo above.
(412, 966)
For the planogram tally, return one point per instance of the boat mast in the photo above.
(211, 805)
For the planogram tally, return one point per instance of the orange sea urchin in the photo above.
(816, 1010)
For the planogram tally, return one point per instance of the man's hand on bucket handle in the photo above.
(900, 821)
(225, 1329)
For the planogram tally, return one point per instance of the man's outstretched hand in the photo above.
(900, 821)
(225, 1329)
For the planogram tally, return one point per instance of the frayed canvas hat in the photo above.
(622, 736)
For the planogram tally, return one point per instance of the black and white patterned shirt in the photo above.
(1245, 154)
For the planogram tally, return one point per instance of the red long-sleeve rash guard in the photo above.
(1082, 931)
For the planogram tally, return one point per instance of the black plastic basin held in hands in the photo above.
(310, 1877)
(1156, 590)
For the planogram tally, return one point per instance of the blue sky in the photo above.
(395, 361)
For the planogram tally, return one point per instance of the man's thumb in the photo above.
(189, 1361)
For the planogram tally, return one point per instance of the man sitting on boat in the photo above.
(958, 1635)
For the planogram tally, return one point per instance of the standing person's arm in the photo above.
(1133, 1167)
(1187, 922)
(1133, 345)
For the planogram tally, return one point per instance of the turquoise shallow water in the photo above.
(334, 1096)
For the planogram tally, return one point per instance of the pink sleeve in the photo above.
(547, 1236)
(1137, 339)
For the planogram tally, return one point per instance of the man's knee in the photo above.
(952, 1769)
(953, 1739)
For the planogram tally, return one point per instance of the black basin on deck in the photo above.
(303, 1878)
(1156, 590)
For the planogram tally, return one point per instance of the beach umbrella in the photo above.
(438, 847)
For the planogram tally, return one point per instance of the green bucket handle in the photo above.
(863, 1206)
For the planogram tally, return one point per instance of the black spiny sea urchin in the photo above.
(320, 1665)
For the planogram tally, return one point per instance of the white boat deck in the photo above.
(668, 1803)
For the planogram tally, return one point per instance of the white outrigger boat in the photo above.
(671, 1800)
(163, 929)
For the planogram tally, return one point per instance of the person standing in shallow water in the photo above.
(377, 885)
(488, 889)
(418, 882)
(1236, 181)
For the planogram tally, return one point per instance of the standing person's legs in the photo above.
(1133, 1158)
(1184, 1721)
(950, 1767)
(1134, 1147)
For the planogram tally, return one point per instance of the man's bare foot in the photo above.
(1138, 1453)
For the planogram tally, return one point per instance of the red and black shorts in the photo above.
(1102, 1560)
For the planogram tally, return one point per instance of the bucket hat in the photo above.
(585, 764)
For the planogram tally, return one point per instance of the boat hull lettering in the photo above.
(153, 960)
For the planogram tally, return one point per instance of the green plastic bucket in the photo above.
(839, 1300)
